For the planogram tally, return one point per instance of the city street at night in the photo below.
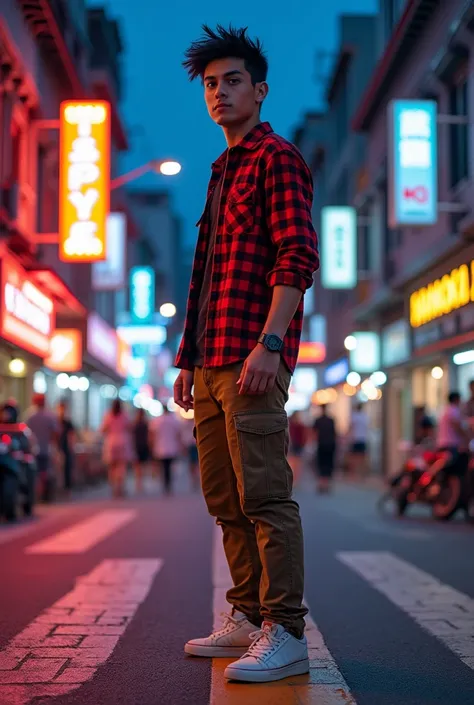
(99, 597)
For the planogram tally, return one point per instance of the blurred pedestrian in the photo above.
(118, 446)
(326, 438)
(166, 444)
(141, 436)
(189, 443)
(45, 428)
(298, 438)
(359, 437)
(67, 440)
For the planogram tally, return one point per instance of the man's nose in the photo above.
(221, 91)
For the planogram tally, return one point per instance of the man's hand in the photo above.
(183, 390)
(259, 371)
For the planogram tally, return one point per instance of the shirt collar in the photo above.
(251, 141)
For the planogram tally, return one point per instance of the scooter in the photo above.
(439, 479)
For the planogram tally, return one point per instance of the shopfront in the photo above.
(27, 319)
(441, 310)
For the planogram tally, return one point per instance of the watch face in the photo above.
(273, 343)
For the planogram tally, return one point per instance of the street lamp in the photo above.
(168, 310)
(167, 167)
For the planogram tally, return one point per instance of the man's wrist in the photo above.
(271, 342)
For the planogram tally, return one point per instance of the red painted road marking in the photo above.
(86, 534)
(65, 645)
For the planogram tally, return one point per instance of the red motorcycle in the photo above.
(440, 479)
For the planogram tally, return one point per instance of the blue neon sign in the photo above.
(413, 163)
(142, 294)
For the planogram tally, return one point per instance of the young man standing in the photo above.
(255, 257)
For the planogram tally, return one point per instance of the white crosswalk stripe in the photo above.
(65, 645)
(441, 610)
(86, 534)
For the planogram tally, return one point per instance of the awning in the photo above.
(51, 283)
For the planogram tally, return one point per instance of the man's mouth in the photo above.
(221, 106)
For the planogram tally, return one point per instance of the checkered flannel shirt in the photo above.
(264, 238)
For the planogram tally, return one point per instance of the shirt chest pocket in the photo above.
(239, 212)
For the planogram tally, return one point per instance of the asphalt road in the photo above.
(393, 601)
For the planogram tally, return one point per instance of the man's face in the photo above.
(231, 98)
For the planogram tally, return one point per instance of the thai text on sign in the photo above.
(442, 296)
(84, 180)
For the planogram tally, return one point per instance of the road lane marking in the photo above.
(65, 645)
(86, 534)
(324, 685)
(441, 610)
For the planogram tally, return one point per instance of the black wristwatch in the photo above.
(271, 342)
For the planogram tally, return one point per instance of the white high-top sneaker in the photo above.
(274, 654)
(231, 640)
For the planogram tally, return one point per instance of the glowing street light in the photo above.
(168, 310)
(167, 167)
(350, 343)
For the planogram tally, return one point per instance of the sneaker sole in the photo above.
(299, 668)
(215, 651)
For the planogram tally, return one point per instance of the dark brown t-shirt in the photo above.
(205, 294)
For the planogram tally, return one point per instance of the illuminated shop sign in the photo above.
(413, 169)
(102, 341)
(337, 372)
(84, 180)
(311, 353)
(338, 247)
(365, 356)
(395, 343)
(451, 292)
(27, 315)
(65, 351)
(142, 293)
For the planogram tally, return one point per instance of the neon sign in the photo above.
(84, 180)
(452, 291)
(413, 169)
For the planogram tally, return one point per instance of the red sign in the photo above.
(416, 193)
(27, 316)
(311, 353)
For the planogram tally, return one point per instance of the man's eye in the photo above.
(233, 81)
(210, 84)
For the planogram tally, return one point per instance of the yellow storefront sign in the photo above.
(442, 296)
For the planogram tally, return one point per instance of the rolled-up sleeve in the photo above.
(289, 197)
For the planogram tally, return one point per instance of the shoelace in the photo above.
(227, 621)
(264, 641)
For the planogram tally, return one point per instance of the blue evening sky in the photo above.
(166, 115)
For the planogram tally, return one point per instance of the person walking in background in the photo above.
(67, 439)
(298, 437)
(326, 439)
(359, 436)
(141, 437)
(255, 257)
(45, 428)
(118, 446)
(167, 444)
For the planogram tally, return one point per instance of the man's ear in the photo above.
(261, 92)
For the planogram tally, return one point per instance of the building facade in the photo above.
(49, 310)
(428, 56)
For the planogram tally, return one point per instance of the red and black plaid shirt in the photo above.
(264, 238)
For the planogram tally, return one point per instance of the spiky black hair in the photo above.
(223, 43)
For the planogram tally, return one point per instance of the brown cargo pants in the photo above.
(247, 484)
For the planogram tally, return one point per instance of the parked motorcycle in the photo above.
(439, 479)
(17, 471)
